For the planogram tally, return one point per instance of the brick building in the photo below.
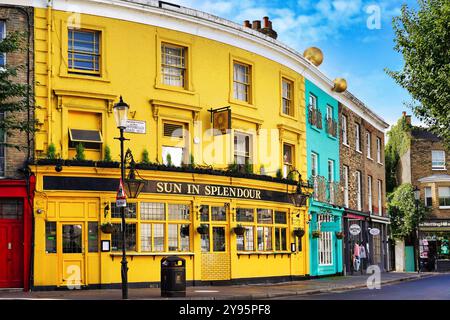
(425, 165)
(363, 180)
(16, 186)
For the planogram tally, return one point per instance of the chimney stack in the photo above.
(407, 118)
(256, 25)
(266, 22)
(247, 24)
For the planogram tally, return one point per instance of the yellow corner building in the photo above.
(173, 67)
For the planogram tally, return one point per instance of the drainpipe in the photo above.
(49, 71)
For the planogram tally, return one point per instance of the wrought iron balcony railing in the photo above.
(315, 117)
(327, 191)
(332, 127)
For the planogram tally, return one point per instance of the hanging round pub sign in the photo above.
(354, 229)
(374, 231)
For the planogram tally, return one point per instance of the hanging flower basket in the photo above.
(299, 232)
(203, 229)
(184, 231)
(239, 230)
(340, 235)
(107, 227)
(316, 234)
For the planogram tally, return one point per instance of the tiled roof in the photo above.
(424, 134)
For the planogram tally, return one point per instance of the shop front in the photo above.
(326, 244)
(356, 242)
(229, 230)
(434, 236)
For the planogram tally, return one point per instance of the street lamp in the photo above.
(416, 191)
(298, 198)
(121, 116)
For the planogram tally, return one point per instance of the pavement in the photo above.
(232, 292)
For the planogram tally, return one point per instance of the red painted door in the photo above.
(11, 246)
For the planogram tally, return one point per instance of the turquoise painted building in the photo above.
(325, 210)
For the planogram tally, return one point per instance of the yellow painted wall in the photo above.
(130, 66)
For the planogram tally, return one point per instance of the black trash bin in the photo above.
(173, 277)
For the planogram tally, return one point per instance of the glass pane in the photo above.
(218, 214)
(130, 210)
(249, 241)
(244, 215)
(176, 155)
(204, 213)
(240, 243)
(260, 238)
(219, 239)
(205, 242)
(173, 237)
(280, 217)
(184, 237)
(277, 239)
(152, 211)
(50, 237)
(283, 239)
(130, 237)
(146, 237)
(93, 237)
(268, 238)
(72, 238)
(11, 208)
(158, 236)
(265, 216)
(178, 212)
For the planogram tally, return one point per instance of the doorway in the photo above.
(11, 243)
(216, 264)
(73, 254)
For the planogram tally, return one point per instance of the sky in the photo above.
(355, 36)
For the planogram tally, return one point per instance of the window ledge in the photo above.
(93, 77)
(331, 136)
(346, 144)
(371, 159)
(249, 253)
(173, 88)
(444, 207)
(114, 254)
(359, 151)
(380, 163)
(284, 115)
(314, 127)
(242, 103)
(439, 169)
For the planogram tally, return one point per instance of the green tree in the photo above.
(423, 38)
(107, 156)
(402, 210)
(15, 97)
(398, 143)
(51, 151)
(145, 158)
(80, 152)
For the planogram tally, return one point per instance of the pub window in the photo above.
(246, 241)
(264, 233)
(280, 231)
(130, 237)
(93, 236)
(178, 212)
(50, 237)
(173, 65)
(130, 210)
(216, 233)
(219, 242)
(178, 237)
(84, 51)
(242, 81)
(218, 214)
(244, 215)
(287, 96)
(90, 139)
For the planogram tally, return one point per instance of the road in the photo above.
(432, 288)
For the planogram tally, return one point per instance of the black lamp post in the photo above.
(416, 191)
(298, 198)
(121, 116)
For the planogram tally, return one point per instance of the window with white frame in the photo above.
(344, 129)
(380, 197)
(345, 178)
(444, 197)
(242, 148)
(288, 158)
(428, 197)
(369, 145)
(173, 65)
(358, 190)
(325, 241)
(438, 159)
(379, 150)
(241, 81)
(314, 164)
(329, 112)
(358, 137)
(2, 36)
(287, 97)
(331, 180)
(369, 193)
